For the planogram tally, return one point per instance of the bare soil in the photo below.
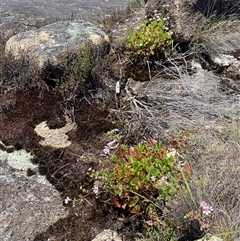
(21, 111)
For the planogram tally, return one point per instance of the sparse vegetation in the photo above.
(215, 176)
(84, 63)
(176, 197)
(77, 72)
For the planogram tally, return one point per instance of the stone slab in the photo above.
(28, 204)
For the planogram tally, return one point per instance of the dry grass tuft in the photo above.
(220, 31)
(215, 157)
(218, 37)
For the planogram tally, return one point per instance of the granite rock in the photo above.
(44, 46)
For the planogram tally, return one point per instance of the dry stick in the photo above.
(88, 201)
(70, 114)
(137, 108)
(149, 70)
(185, 62)
(59, 169)
(118, 85)
(136, 102)
(85, 98)
(179, 72)
(140, 103)
(166, 70)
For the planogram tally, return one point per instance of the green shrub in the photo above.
(149, 39)
(77, 71)
(142, 177)
(83, 67)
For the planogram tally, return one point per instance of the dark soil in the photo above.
(21, 111)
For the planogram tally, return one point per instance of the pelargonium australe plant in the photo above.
(140, 175)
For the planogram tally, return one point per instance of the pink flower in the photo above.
(207, 209)
(154, 141)
(162, 180)
(106, 150)
(67, 200)
(153, 179)
(95, 190)
(131, 149)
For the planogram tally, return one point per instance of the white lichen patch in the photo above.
(20, 160)
(55, 138)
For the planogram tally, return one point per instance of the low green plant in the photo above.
(142, 177)
(150, 38)
(77, 71)
(83, 66)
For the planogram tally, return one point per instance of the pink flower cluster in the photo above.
(95, 189)
(207, 209)
(106, 150)
(67, 200)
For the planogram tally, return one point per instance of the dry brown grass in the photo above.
(215, 156)
(218, 37)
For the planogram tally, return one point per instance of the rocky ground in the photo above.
(21, 189)
(30, 14)
(29, 203)
(185, 92)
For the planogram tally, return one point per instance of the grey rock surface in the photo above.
(47, 43)
(231, 65)
(224, 60)
(28, 204)
(24, 14)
